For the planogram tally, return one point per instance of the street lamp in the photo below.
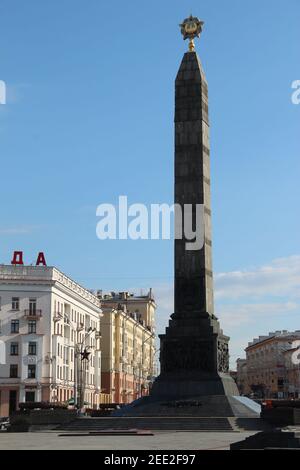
(81, 353)
(142, 360)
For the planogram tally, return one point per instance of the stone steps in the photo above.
(249, 424)
(150, 423)
(277, 439)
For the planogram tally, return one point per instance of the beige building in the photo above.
(128, 345)
(292, 367)
(264, 372)
(46, 321)
(241, 376)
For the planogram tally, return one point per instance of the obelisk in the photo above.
(194, 351)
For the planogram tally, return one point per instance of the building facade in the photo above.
(128, 345)
(292, 369)
(241, 376)
(47, 323)
(268, 371)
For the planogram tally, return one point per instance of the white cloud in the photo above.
(279, 278)
(23, 230)
(13, 231)
(233, 315)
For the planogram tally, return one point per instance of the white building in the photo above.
(46, 321)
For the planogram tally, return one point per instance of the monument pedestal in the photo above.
(194, 358)
(194, 378)
(193, 386)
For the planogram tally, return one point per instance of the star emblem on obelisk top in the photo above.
(191, 28)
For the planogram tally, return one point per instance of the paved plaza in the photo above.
(159, 441)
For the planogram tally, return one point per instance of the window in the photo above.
(29, 396)
(14, 326)
(32, 348)
(13, 371)
(14, 349)
(15, 303)
(32, 306)
(32, 326)
(31, 371)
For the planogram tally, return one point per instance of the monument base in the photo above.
(193, 384)
(209, 406)
(193, 395)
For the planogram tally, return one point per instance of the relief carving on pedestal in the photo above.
(184, 355)
(223, 357)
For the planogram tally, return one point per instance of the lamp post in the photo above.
(142, 360)
(81, 353)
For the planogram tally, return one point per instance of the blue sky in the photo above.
(89, 117)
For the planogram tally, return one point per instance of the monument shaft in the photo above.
(193, 269)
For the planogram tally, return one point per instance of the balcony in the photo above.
(30, 381)
(67, 341)
(57, 316)
(33, 314)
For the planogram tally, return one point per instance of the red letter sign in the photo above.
(41, 259)
(17, 258)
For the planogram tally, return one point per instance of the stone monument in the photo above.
(194, 379)
(194, 351)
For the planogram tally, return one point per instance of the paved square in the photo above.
(160, 441)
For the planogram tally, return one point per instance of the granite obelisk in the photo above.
(194, 351)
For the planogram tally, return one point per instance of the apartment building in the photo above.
(49, 338)
(241, 376)
(268, 371)
(128, 345)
